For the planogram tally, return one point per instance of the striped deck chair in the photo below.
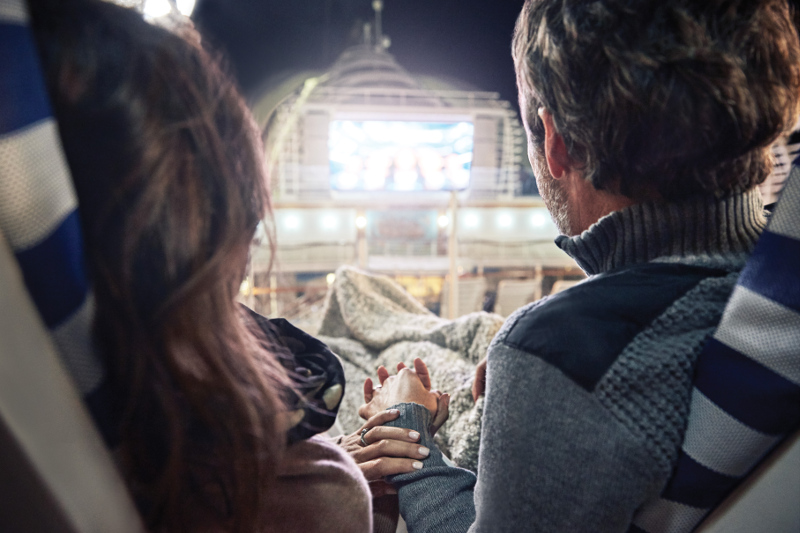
(746, 398)
(57, 474)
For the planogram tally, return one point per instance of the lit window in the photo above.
(291, 222)
(538, 220)
(329, 222)
(505, 220)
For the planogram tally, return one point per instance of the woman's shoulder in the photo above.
(320, 488)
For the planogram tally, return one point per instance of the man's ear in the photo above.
(555, 150)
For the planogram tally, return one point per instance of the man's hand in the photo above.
(408, 386)
(479, 384)
(443, 399)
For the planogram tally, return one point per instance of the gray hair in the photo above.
(658, 98)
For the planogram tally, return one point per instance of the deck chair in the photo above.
(746, 401)
(515, 293)
(471, 292)
(767, 500)
(57, 475)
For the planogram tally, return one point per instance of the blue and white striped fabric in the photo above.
(39, 208)
(746, 398)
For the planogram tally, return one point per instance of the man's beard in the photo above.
(552, 192)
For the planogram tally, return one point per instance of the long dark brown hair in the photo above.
(169, 172)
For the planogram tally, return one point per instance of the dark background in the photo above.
(466, 40)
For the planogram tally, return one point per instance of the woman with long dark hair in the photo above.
(168, 168)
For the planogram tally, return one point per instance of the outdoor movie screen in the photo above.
(384, 155)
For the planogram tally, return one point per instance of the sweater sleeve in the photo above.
(552, 459)
(319, 489)
(438, 498)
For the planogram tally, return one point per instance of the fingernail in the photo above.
(417, 465)
(424, 451)
(393, 411)
(413, 434)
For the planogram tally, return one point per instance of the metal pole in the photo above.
(539, 278)
(377, 5)
(361, 240)
(452, 253)
(273, 295)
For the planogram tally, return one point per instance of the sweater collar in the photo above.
(719, 230)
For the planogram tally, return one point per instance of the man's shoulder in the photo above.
(582, 330)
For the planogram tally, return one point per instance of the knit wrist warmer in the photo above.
(417, 418)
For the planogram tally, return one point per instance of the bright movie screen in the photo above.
(379, 155)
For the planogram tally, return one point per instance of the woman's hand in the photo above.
(384, 451)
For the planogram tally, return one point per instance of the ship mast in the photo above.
(382, 42)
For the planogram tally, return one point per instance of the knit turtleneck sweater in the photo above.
(588, 391)
(703, 230)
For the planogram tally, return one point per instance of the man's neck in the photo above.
(588, 205)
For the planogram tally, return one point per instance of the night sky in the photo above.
(466, 40)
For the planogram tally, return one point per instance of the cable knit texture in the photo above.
(579, 439)
(649, 387)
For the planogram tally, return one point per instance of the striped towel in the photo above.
(39, 211)
(746, 398)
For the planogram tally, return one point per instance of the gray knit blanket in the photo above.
(370, 320)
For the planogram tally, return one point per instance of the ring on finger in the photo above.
(363, 441)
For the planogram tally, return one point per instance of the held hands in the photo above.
(382, 451)
(408, 386)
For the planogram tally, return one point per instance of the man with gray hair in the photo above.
(649, 125)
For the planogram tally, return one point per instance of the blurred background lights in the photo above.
(154, 9)
(157, 8)
(361, 222)
(330, 278)
(330, 222)
(505, 221)
(538, 220)
(471, 221)
(444, 220)
(186, 7)
(291, 222)
(244, 288)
